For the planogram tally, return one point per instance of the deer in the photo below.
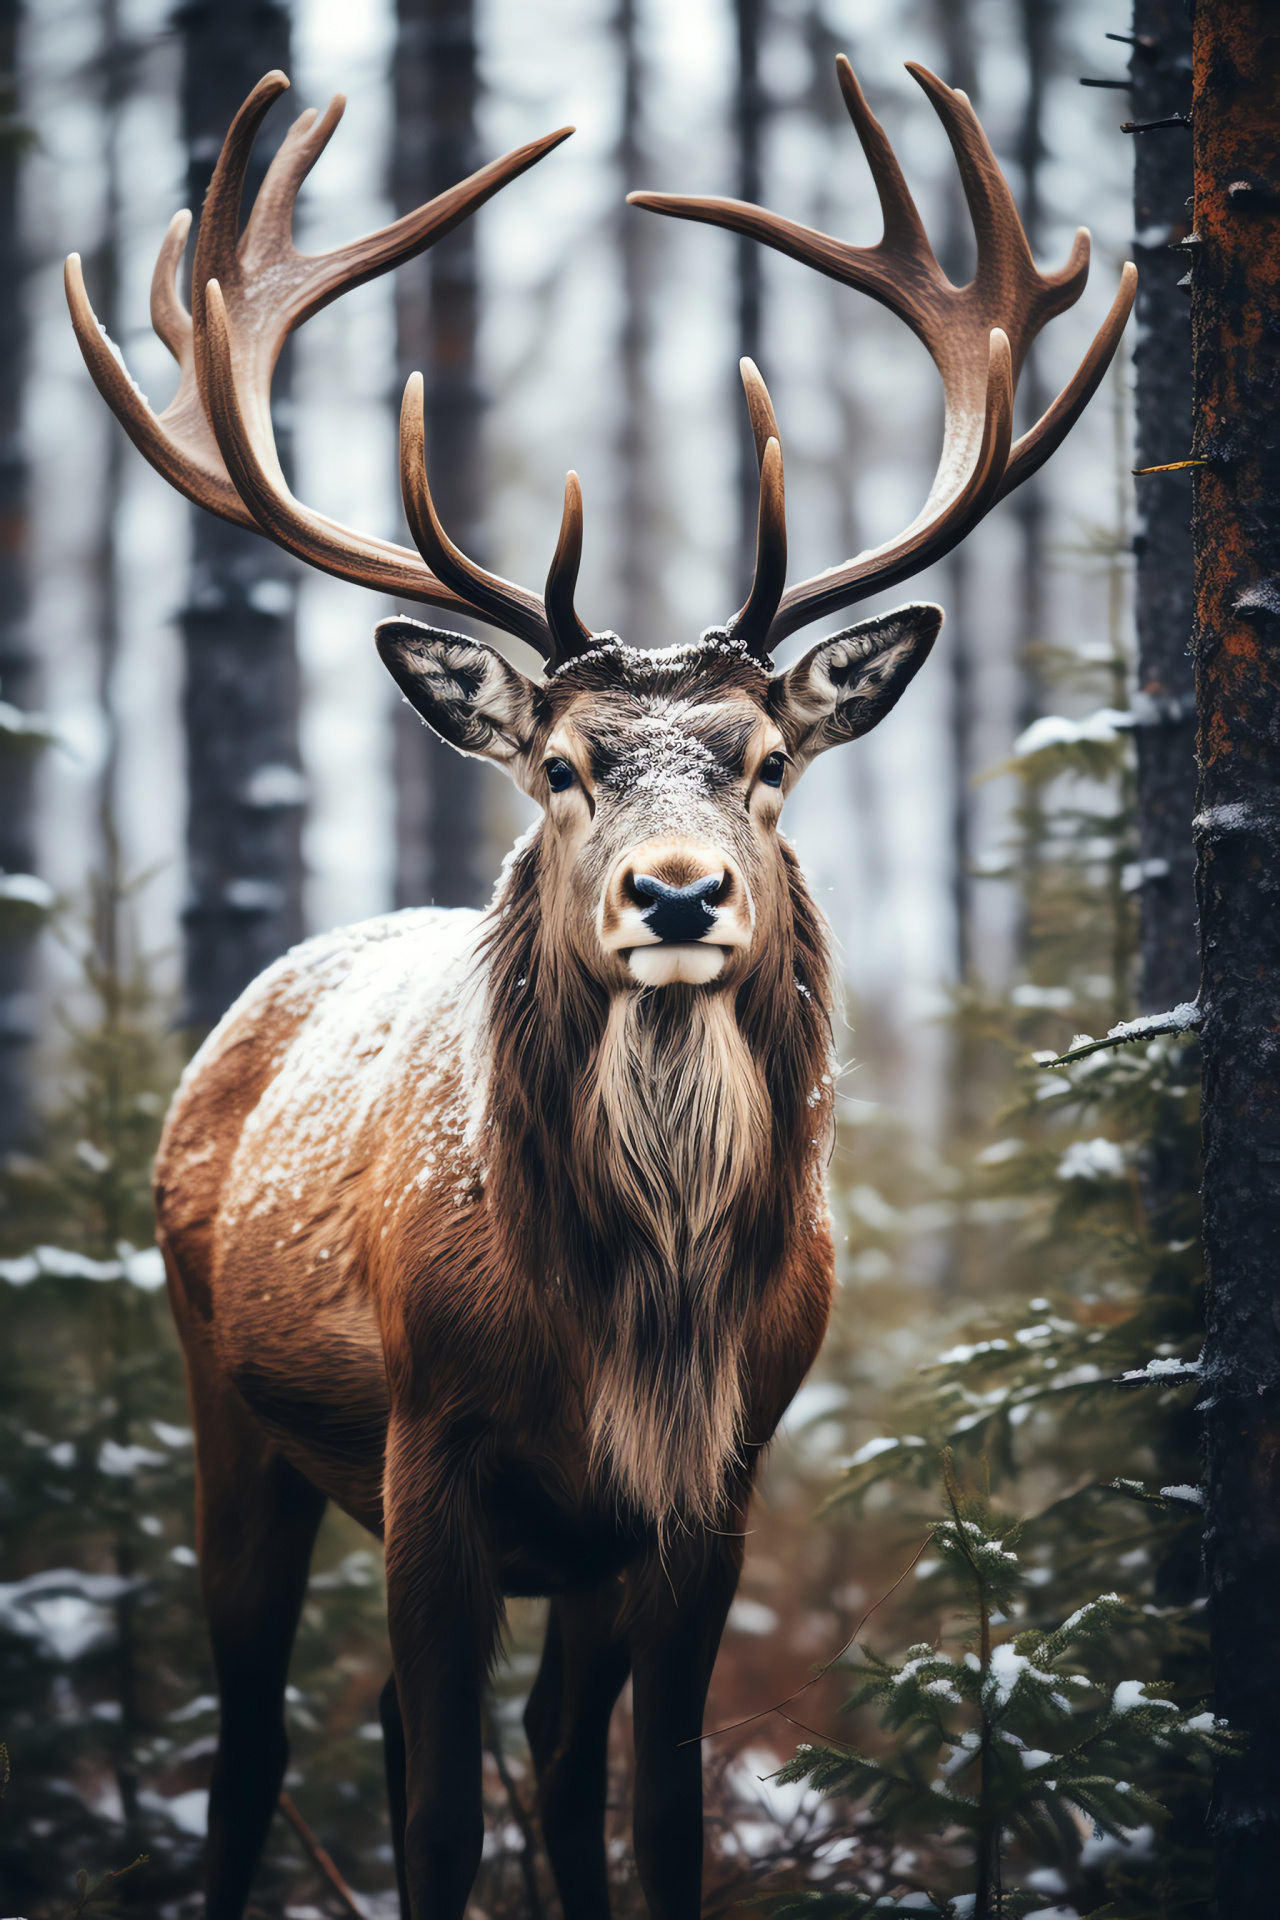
(507, 1231)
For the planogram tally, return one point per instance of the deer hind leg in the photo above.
(584, 1665)
(257, 1523)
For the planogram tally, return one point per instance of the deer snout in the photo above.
(673, 912)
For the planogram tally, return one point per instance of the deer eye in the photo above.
(772, 769)
(560, 775)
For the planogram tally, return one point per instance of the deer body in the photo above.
(323, 1167)
(506, 1232)
(520, 1259)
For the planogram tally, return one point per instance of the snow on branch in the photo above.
(1184, 1018)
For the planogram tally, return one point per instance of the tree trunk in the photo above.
(17, 850)
(1236, 531)
(1160, 69)
(1039, 25)
(244, 823)
(639, 575)
(1164, 701)
(749, 118)
(440, 795)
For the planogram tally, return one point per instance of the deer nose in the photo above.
(677, 913)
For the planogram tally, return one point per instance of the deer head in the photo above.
(661, 774)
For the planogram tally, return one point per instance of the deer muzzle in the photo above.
(673, 912)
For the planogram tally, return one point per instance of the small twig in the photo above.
(1120, 85)
(1170, 466)
(520, 1813)
(823, 1670)
(1154, 126)
(321, 1856)
(88, 1891)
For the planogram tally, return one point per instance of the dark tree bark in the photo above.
(17, 839)
(1160, 69)
(440, 795)
(1236, 533)
(750, 111)
(244, 823)
(1164, 702)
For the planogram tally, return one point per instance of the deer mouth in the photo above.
(675, 962)
(667, 934)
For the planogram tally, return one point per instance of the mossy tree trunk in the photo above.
(1236, 529)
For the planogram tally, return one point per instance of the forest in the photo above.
(1003, 1639)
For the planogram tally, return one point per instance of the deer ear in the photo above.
(846, 685)
(464, 690)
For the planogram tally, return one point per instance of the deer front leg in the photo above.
(673, 1649)
(584, 1665)
(442, 1614)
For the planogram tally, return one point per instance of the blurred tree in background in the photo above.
(21, 894)
(244, 779)
(440, 797)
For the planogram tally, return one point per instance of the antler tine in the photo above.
(178, 442)
(904, 240)
(496, 599)
(1008, 296)
(929, 538)
(764, 423)
(214, 441)
(1006, 271)
(321, 542)
(569, 635)
(1055, 423)
(751, 622)
(754, 620)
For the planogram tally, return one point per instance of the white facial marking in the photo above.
(692, 963)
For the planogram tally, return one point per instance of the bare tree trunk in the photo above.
(750, 109)
(1236, 532)
(17, 673)
(1160, 69)
(244, 825)
(441, 795)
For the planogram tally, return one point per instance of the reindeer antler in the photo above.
(214, 441)
(977, 335)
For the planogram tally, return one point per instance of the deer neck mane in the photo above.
(649, 1155)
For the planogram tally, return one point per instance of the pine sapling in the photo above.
(1007, 1751)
